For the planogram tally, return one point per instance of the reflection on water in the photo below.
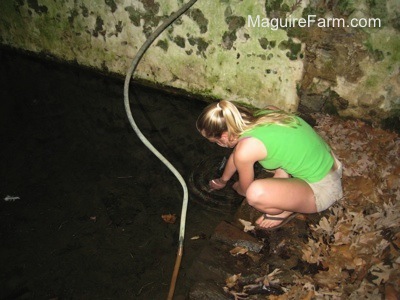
(87, 224)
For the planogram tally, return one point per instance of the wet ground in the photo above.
(86, 221)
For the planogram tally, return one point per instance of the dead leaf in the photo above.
(391, 293)
(329, 279)
(382, 272)
(169, 218)
(343, 250)
(312, 252)
(238, 250)
(325, 225)
(232, 280)
(201, 236)
(247, 225)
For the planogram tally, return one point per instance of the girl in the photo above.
(307, 176)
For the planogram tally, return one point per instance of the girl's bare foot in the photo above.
(275, 221)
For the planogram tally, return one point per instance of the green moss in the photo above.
(119, 27)
(99, 27)
(202, 45)
(312, 10)
(163, 44)
(39, 9)
(272, 5)
(198, 16)
(345, 7)
(221, 59)
(378, 55)
(368, 45)
(112, 5)
(298, 89)
(10, 16)
(301, 33)
(85, 11)
(11, 10)
(272, 44)
(395, 51)
(72, 16)
(180, 41)
(228, 38)
(263, 42)
(329, 108)
(50, 29)
(134, 15)
(294, 48)
(151, 7)
(18, 3)
(395, 21)
(228, 11)
(393, 122)
(333, 103)
(235, 22)
(192, 41)
(378, 9)
(149, 16)
(373, 81)
(381, 43)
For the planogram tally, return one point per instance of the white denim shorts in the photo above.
(328, 190)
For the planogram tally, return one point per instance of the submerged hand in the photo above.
(217, 184)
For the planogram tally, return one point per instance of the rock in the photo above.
(231, 235)
(207, 290)
(214, 264)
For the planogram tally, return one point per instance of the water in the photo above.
(87, 221)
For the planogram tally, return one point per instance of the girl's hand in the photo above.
(217, 184)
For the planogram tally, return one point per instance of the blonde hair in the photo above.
(224, 116)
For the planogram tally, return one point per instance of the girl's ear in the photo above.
(225, 135)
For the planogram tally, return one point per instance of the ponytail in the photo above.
(224, 116)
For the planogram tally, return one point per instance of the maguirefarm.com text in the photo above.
(276, 23)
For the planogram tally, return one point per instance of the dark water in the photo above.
(87, 224)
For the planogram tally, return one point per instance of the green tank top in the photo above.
(299, 150)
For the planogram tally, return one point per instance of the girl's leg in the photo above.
(280, 197)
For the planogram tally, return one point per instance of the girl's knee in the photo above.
(255, 192)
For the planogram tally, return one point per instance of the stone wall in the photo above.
(229, 49)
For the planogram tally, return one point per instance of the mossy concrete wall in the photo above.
(213, 49)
